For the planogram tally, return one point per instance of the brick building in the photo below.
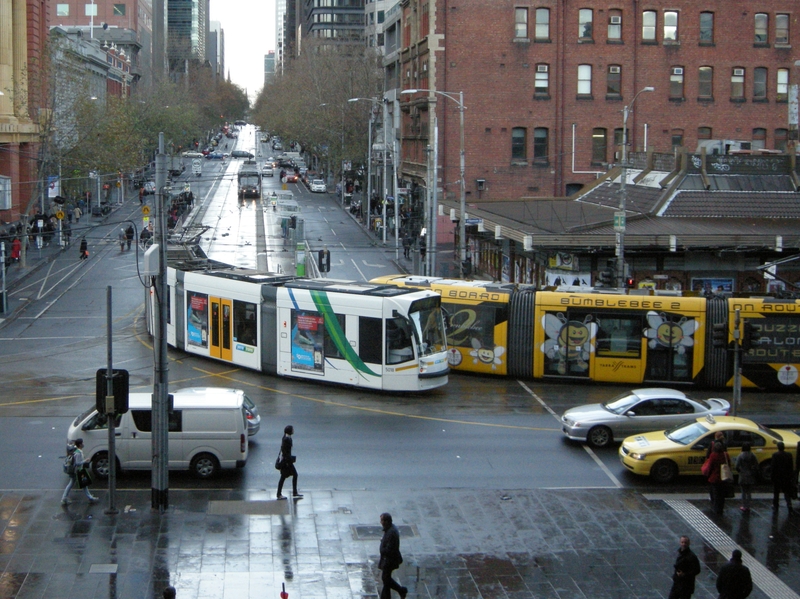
(545, 83)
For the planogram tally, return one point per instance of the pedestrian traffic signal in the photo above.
(606, 277)
(751, 336)
(719, 334)
(120, 387)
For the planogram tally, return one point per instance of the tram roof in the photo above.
(353, 287)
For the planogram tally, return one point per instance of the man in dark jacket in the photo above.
(734, 581)
(782, 475)
(687, 567)
(390, 558)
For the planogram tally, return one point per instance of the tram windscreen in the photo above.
(426, 314)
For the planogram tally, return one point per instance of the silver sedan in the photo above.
(637, 411)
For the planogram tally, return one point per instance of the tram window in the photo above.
(369, 340)
(619, 337)
(427, 317)
(398, 341)
(331, 349)
(245, 323)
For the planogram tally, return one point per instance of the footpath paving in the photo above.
(566, 543)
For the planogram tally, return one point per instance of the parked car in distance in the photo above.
(665, 455)
(637, 411)
(149, 188)
(267, 170)
(242, 154)
(318, 186)
(192, 154)
(214, 156)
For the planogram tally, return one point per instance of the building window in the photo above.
(737, 84)
(540, 144)
(584, 80)
(670, 26)
(781, 137)
(781, 29)
(519, 143)
(614, 80)
(119, 10)
(599, 145)
(521, 23)
(619, 141)
(585, 23)
(762, 25)
(649, 26)
(677, 138)
(759, 84)
(542, 80)
(705, 83)
(759, 139)
(706, 27)
(90, 10)
(703, 133)
(676, 83)
(782, 91)
(5, 193)
(614, 25)
(62, 10)
(543, 24)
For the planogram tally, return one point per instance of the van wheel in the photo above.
(204, 465)
(765, 471)
(100, 465)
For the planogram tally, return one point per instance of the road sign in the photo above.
(619, 221)
(60, 215)
(146, 210)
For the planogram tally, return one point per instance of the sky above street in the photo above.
(249, 27)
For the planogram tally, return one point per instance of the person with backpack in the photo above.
(129, 234)
(73, 465)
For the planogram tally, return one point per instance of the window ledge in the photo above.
(615, 42)
(585, 40)
(522, 40)
(584, 97)
(760, 45)
(760, 100)
(738, 100)
(541, 96)
(707, 44)
(542, 40)
(537, 163)
(783, 46)
(672, 43)
(705, 100)
(519, 163)
(649, 42)
(613, 97)
(781, 101)
(677, 100)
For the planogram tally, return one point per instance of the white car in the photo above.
(318, 186)
(267, 170)
(192, 154)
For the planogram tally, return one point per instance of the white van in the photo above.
(207, 432)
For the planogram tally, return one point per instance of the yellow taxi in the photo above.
(681, 450)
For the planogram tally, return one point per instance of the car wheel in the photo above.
(664, 471)
(100, 465)
(765, 471)
(600, 436)
(204, 465)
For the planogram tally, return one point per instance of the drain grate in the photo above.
(362, 532)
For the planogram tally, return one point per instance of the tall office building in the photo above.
(336, 23)
(187, 23)
(269, 67)
(215, 49)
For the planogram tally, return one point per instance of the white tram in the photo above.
(363, 334)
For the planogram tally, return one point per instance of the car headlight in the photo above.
(637, 456)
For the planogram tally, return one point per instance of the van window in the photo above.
(100, 421)
(143, 419)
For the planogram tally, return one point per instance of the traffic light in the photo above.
(120, 387)
(606, 277)
(629, 282)
(719, 334)
(751, 336)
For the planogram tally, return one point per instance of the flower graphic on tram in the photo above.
(486, 355)
(568, 341)
(663, 332)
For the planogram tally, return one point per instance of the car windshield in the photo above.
(686, 433)
(426, 314)
(621, 403)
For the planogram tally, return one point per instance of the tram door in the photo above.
(221, 328)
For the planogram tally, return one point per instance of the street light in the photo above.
(462, 228)
(619, 225)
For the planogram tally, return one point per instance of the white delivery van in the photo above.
(207, 432)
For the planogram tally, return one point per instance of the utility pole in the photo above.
(159, 492)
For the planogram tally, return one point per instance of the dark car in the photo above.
(214, 156)
(242, 154)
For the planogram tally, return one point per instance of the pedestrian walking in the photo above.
(391, 558)
(75, 475)
(129, 234)
(407, 246)
(782, 475)
(747, 467)
(70, 210)
(122, 237)
(77, 213)
(734, 580)
(711, 470)
(141, 196)
(66, 231)
(287, 461)
(84, 249)
(685, 570)
(16, 249)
